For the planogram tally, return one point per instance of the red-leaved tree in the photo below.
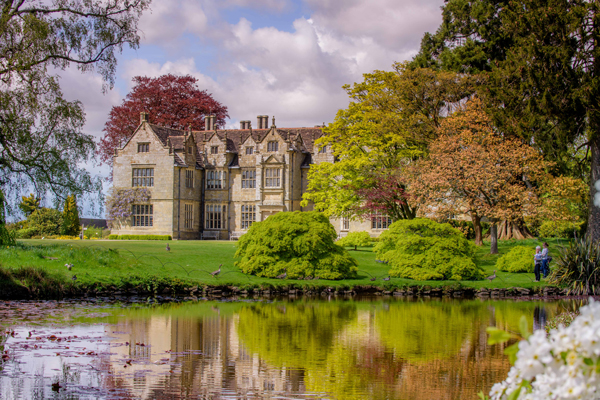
(171, 101)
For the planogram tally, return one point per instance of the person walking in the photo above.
(537, 259)
(545, 260)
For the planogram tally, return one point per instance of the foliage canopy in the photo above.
(391, 119)
(41, 139)
(300, 244)
(422, 249)
(172, 101)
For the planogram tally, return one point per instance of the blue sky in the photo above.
(287, 58)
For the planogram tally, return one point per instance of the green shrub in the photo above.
(559, 229)
(355, 239)
(300, 243)
(26, 233)
(140, 237)
(423, 249)
(518, 259)
(45, 222)
(577, 267)
(93, 232)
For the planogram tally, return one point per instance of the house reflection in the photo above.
(189, 358)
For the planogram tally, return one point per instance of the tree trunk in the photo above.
(477, 228)
(593, 228)
(513, 230)
(494, 238)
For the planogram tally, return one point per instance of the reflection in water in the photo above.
(384, 349)
(539, 317)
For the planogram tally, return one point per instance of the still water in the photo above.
(258, 349)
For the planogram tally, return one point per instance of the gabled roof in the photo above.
(237, 137)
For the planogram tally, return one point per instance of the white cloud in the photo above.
(168, 20)
(297, 76)
(395, 25)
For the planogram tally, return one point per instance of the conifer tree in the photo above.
(70, 217)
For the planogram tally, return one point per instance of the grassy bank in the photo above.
(39, 266)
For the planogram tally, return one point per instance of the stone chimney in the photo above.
(209, 122)
(263, 121)
(245, 124)
(143, 117)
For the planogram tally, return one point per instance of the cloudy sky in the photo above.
(287, 58)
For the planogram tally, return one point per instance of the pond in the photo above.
(259, 349)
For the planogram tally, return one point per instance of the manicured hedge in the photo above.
(140, 237)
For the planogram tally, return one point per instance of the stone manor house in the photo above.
(216, 183)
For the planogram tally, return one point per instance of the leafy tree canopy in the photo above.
(541, 64)
(41, 139)
(391, 119)
(300, 244)
(423, 249)
(172, 101)
(473, 169)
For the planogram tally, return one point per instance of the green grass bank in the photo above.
(36, 268)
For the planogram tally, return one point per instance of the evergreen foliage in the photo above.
(577, 267)
(518, 259)
(423, 249)
(70, 224)
(298, 243)
(355, 239)
(29, 204)
(45, 222)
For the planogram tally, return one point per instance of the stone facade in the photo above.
(215, 183)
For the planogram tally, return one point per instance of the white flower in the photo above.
(561, 366)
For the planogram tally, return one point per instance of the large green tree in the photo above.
(540, 60)
(391, 118)
(41, 139)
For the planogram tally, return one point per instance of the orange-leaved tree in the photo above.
(473, 169)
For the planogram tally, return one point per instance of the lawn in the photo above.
(115, 263)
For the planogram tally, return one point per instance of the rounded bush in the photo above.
(355, 239)
(299, 243)
(518, 259)
(559, 229)
(423, 249)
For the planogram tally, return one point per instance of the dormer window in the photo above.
(272, 146)
(190, 150)
(249, 150)
(143, 147)
(323, 150)
(214, 149)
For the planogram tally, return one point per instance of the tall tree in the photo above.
(41, 138)
(541, 60)
(473, 169)
(172, 101)
(391, 119)
(70, 220)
